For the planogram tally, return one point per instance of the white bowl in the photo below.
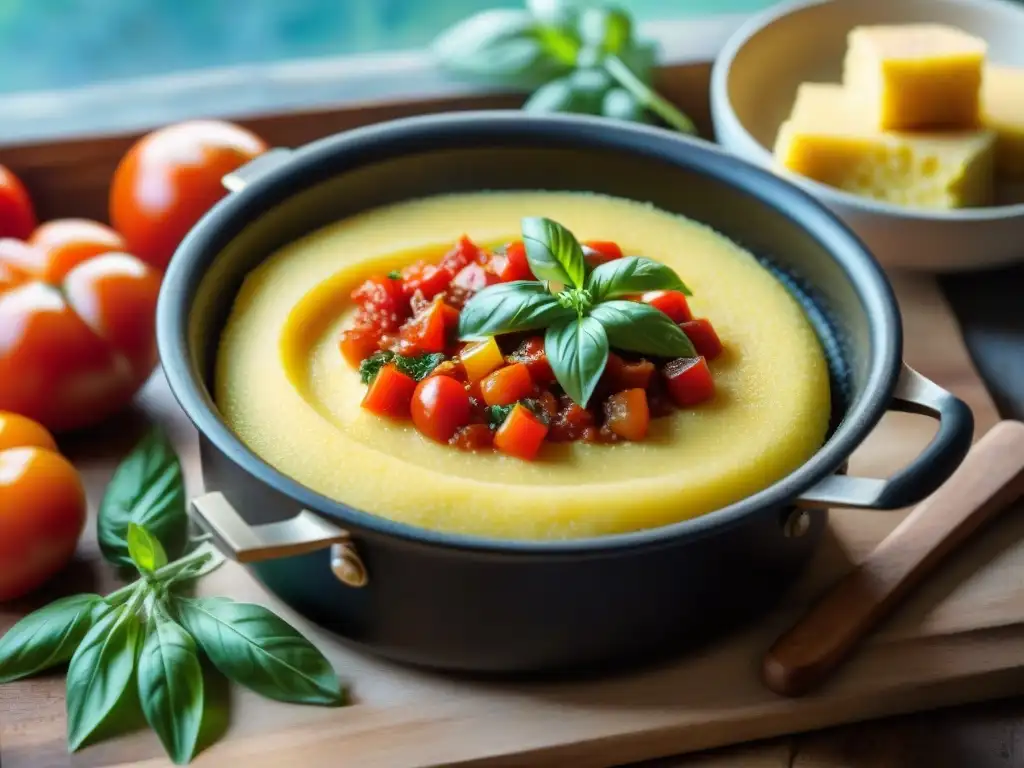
(754, 83)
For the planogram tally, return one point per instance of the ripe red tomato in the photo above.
(170, 178)
(440, 406)
(17, 217)
(75, 345)
(672, 303)
(63, 243)
(42, 507)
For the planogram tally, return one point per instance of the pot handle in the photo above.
(299, 535)
(242, 177)
(914, 394)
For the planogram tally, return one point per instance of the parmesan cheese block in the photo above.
(1003, 112)
(829, 139)
(915, 76)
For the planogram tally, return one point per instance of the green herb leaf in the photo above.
(496, 414)
(146, 551)
(505, 45)
(637, 327)
(146, 489)
(100, 671)
(419, 367)
(370, 367)
(394, 274)
(577, 351)
(261, 651)
(632, 274)
(49, 636)
(609, 30)
(620, 104)
(522, 305)
(581, 92)
(553, 251)
(171, 686)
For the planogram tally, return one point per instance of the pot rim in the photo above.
(334, 155)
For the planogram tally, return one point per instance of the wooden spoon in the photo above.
(990, 478)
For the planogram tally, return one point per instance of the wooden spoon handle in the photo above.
(990, 478)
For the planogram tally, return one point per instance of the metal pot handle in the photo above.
(240, 178)
(914, 394)
(299, 535)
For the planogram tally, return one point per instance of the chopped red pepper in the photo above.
(440, 407)
(473, 437)
(390, 393)
(689, 381)
(531, 353)
(598, 252)
(507, 385)
(672, 303)
(704, 337)
(521, 434)
(514, 264)
(627, 415)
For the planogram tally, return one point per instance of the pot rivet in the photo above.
(798, 522)
(347, 566)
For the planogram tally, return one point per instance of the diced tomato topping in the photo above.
(689, 380)
(619, 374)
(672, 303)
(530, 353)
(390, 393)
(507, 385)
(572, 421)
(598, 252)
(521, 434)
(626, 414)
(382, 302)
(428, 331)
(704, 338)
(513, 265)
(359, 343)
(473, 437)
(474, 277)
(428, 279)
(548, 404)
(440, 407)
(462, 254)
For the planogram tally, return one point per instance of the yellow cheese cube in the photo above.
(915, 76)
(1002, 110)
(828, 139)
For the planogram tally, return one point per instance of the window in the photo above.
(66, 44)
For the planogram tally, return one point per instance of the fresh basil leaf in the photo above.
(261, 651)
(504, 44)
(581, 93)
(620, 104)
(171, 686)
(632, 274)
(637, 327)
(607, 29)
(522, 305)
(418, 367)
(146, 489)
(49, 636)
(640, 58)
(207, 560)
(553, 251)
(100, 671)
(145, 550)
(577, 351)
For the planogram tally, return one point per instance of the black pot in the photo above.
(469, 603)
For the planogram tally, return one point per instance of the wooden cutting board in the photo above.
(959, 639)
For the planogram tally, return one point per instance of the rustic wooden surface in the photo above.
(712, 697)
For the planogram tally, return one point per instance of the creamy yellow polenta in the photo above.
(282, 385)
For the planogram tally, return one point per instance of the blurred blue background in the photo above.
(47, 44)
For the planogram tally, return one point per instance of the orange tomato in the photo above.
(62, 244)
(76, 331)
(170, 178)
(17, 217)
(42, 506)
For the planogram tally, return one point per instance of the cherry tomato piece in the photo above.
(42, 507)
(359, 343)
(514, 264)
(428, 279)
(17, 217)
(598, 252)
(507, 385)
(473, 437)
(440, 407)
(627, 415)
(530, 353)
(689, 381)
(571, 423)
(62, 244)
(474, 277)
(462, 254)
(619, 375)
(428, 331)
(382, 303)
(521, 434)
(390, 393)
(170, 178)
(704, 337)
(672, 303)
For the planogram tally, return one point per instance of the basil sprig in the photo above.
(148, 634)
(585, 60)
(582, 320)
